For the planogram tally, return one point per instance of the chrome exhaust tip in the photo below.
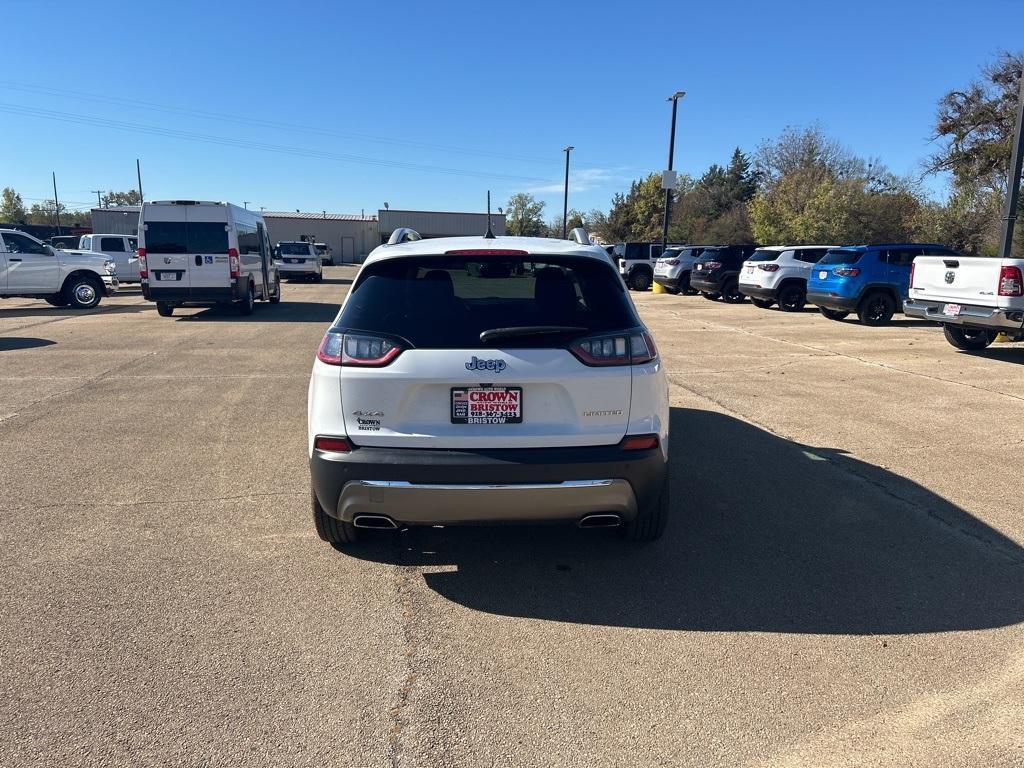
(378, 522)
(600, 521)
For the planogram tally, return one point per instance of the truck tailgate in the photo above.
(971, 280)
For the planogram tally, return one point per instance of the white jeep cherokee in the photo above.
(472, 380)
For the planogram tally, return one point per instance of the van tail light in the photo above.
(333, 444)
(769, 267)
(1011, 282)
(846, 271)
(233, 262)
(639, 442)
(632, 348)
(143, 264)
(357, 349)
(913, 266)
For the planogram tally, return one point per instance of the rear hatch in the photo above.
(758, 269)
(835, 270)
(962, 279)
(187, 246)
(472, 351)
(296, 256)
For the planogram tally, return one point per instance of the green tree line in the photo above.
(14, 211)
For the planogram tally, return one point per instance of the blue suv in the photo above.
(871, 280)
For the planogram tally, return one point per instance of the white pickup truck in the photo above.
(122, 249)
(973, 297)
(32, 269)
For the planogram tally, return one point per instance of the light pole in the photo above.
(674, 98)
(1013, 182)
(565, 200)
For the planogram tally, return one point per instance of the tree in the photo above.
(43, 213)
(12, 207)
(524, 215)
(131, 197)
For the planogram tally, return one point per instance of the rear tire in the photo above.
(711, 296)
(248, 304)
(792, 298)
(334, 532)
(319, 277)
(968, 339)
(762, 303)
(83, 292)
(731, 293)
(275, 297)
(650, 523)
(876, 309)
(640, 280)
(164, 308)
(833, 314)
(684, 284)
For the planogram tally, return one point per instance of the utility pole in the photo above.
(1013, 180)
(98, 192)
(245, 204)
(138, 175)
(56, 203)
(565, 199)
(674, 98)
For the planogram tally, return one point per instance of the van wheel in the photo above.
(731, 293)
(275, 297)
(164, 308)
(711, 296)
(249, 302)
(650, 523)
(876, 309)
(971, 340)
(82, 292)
(334, 532)
(833, 314)
(762, 303)
(640, 280)
(792, 298)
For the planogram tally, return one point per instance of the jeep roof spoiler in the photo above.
(580, 236)
(404, 235)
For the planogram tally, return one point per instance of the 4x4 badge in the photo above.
(477, 364)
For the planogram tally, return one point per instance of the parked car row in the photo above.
(975, 299)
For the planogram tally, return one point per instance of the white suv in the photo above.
(299, 259)
(779, 273)
(471, 380)
(672, 270)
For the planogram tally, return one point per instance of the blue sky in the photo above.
(339, 106)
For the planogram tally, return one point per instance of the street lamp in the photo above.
(565, 200)
(674, 98)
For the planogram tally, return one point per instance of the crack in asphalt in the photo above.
(410, 647)
(163, 502)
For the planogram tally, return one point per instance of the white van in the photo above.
(202, 253)
(120, 248)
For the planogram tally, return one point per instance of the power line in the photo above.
(100, 122)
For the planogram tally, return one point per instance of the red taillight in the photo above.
(357, 350)
(486, 252)
(233, 262)
(846, 271)
(333, 444)
(913, 266)
(639, 442)
(1011, 282)
(712, 264)
(671, 262)
(143, 265)
(769, 267)
(631, 348)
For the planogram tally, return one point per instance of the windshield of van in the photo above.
(294, 249)
(446, 303)
(186, 237)
(841, 256)
(764, 255)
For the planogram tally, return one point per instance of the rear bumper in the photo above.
(971, 316)
(705, 284)
(436, 487)
(188, 295)
(294, 270)
(758, 291)
(672, 283)
(838, 303)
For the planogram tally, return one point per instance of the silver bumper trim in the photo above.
(430, 504)
(970, 315)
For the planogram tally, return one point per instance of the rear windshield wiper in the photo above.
(521, 331)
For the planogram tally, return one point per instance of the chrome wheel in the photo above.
(85, 293)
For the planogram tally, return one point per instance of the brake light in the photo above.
(632, 348)
(1011, 282)
(358, 350)
(769, 267)
(333, 444)
(233, 262)
(846, 271)
(639, 442)
(913, 266)
(670, 262)
(143, 265)
(712, 264)
(487, 252)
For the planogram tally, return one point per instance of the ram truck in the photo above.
(973, 298)
(32, 269)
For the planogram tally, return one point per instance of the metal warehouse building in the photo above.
(119, 220)
(438, 223)
(350, 236)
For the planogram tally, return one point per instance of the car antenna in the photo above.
(490, 232)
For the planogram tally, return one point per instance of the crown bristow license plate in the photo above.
(487, 405)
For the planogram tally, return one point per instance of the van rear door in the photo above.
(208, 245)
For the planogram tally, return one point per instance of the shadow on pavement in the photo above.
(8, 344)
(768, 536)
(45, 310)
(285, 312)
(1001, 353)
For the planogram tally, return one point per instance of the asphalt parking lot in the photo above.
(842, 583)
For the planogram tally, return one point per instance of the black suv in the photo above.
(716, 272)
